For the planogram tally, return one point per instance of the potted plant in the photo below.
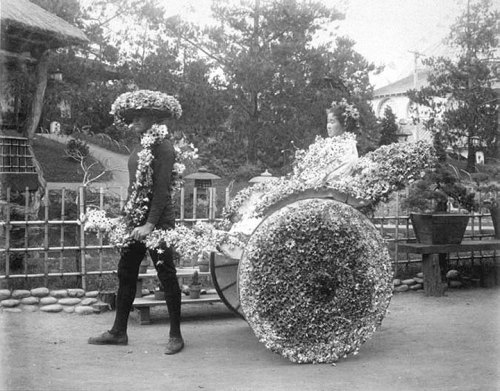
(440, 204)
(159, 292)
(204, 261)
(195, 286)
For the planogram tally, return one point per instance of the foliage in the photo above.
(315, 281)
(57, 168)
(388, 128)
(460, 102)
(76, 148)
(272, 77)
(437, 188)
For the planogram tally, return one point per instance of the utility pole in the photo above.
(416, 55)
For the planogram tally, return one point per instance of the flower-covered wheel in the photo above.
(315, 280)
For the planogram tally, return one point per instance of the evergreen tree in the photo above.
(388, 128)
(463, 106)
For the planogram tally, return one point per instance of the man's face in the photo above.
(140, 124)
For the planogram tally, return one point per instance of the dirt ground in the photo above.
(425, 343)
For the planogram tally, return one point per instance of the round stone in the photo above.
(396, 282)
(30, 300)
(88, 301)
(68, 309)
(40, 292)
(48, 300)
(29, 308)
(84, 310)
(12, 310)
(401, 288)
(419, 280)
(4, 294)
(9, 303)
(91, 294)
(69, 301)
(76, 292)
(59, 294)
(416, 287)
(52, 308)
(20, 294)
(409, 281)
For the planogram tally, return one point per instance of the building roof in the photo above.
(401, 86)
(25, 24)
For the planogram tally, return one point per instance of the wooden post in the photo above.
(83, 271)
(433, 286)
(195, 201)
(37, 104)
(183, 194)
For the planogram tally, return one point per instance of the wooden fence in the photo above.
(48, 240)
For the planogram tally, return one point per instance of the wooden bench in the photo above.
(151, 274)
(144, 304)
(433, 285)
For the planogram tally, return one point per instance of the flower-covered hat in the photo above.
(131, 104)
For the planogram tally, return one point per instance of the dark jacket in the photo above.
(161, 213)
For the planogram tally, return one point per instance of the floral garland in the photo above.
(137, 205)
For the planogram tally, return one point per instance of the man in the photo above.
(149, 206)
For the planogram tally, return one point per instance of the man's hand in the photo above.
(140, 233)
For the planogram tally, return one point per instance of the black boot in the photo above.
(174, 345)
(109, 338)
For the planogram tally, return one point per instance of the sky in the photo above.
(385, 31)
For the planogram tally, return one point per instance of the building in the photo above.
(28, 33)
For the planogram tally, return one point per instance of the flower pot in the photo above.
(159, 295)
(439, 228)
(194, 292)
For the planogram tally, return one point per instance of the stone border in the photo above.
(52, 301)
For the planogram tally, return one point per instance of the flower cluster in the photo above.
(147, 100)
(190, 242)
(315, 281)
(185, 156)
(348, 112)
(97, 221)
(387, 169)
(314, 165)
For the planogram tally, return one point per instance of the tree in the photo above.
(274, 79)
(462, 105)
(388, 128)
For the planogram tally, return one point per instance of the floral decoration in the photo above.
(315, 281)
(348, 112)
(154, 101)
(372, 177)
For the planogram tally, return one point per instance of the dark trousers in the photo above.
(128, 271)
